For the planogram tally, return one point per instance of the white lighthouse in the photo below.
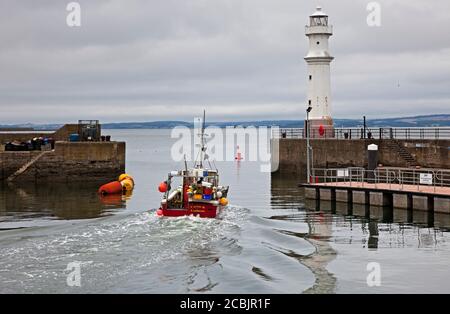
(318, 75)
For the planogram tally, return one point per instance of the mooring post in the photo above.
(317, 199)
(367, 204)
(388, 215)
(350, 209)
(350, 202)
(409, 216)
(333, 206)
(333, 200)
(367, 197)
(430, 203)
(317, 193)
(333, 195)
(350, 196)
(388, 199)
(409, 201)
(367, 211)
(430, 219)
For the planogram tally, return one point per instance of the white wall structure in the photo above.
(318, 75)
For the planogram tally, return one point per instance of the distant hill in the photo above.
(441, 120)
(437, 120)
(30, 126)
(146, 125)
(418, 121)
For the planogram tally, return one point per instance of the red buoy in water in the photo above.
(111, 188)
(238, 155)
(162, 187)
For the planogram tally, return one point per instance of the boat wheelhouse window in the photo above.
(211, 179)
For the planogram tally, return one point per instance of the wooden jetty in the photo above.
(412, 189)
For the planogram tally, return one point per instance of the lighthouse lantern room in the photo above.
(318, 62)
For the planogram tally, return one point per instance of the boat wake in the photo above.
(110, 249)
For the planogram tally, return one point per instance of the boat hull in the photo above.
(203, 210)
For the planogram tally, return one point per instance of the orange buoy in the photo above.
(114, 187)
(223, 201)
(162, 187)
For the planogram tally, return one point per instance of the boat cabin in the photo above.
(198, 185)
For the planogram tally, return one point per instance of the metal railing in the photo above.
(400, 177)
(432, 133)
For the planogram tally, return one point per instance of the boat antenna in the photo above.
(201, 155)
(209, 163)
(203, 144)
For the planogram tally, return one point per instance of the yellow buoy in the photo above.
(124, 176)
(223, 201)
(127, 184)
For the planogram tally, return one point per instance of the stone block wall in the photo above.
(10, 162)
(332, 153)
(428, 153)
(69, 162)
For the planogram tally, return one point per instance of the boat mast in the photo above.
(202, 139)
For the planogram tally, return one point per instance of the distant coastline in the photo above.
(437, 120)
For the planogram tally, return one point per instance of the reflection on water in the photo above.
(383, 222)
(115, 201)
(346, 235)
(285, 195)
(56, 201)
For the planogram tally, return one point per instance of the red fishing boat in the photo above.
(195, 191)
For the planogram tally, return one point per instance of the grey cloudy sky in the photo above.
(142, 60)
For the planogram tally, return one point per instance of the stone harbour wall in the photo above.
(68, 162)
(332, 153)
(11, 161)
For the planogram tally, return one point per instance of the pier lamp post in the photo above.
(308, 147)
